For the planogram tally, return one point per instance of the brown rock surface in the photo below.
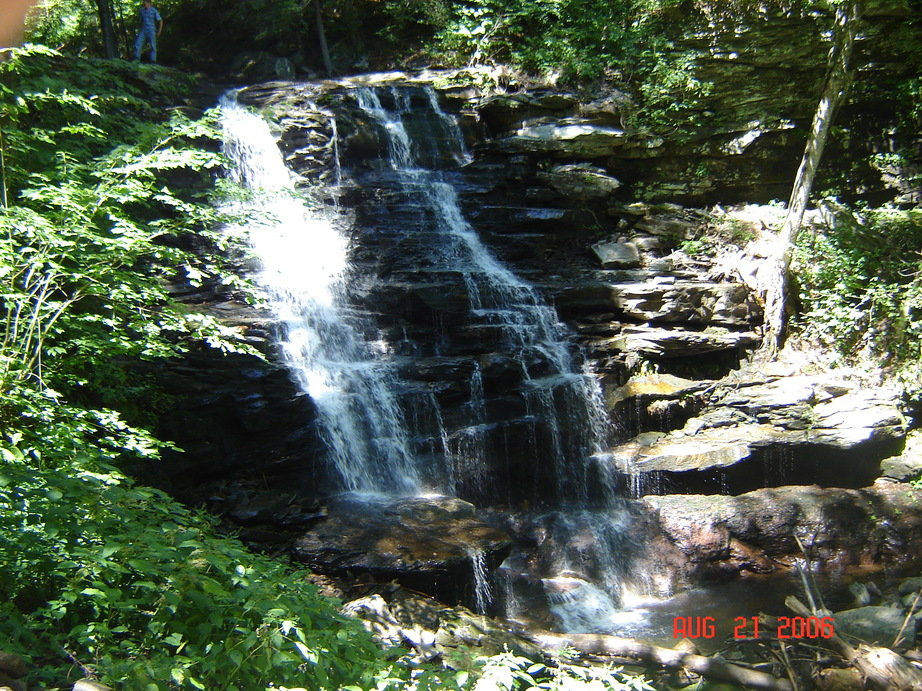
(838, 527)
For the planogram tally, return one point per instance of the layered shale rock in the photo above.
(761, 431)
(431, 544)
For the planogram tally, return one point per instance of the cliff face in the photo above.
(657, 298)
(729, 121)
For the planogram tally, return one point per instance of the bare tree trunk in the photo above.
(122, 32)
(322, 37)
(834, 89)
(104, 10)
(3, 201)
(709, 667)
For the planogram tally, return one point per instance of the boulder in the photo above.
(903, 468)
(679, 452)
(426, 543)
(653, 386)
(690, 301)
(824, 408)
(580, 181)
(617, 255)
(911, 585)
(575, 138)
(771, 431)
(908, 465)
(877, 625)
(838, 527)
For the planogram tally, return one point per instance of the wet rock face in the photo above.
(723, 535)
(233, 415)
(552, 208)
(428, 544)
(572, 565)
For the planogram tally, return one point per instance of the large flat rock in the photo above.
(393, 536)
(675, 341)
(571, 137)
(759, 530)
(799, 429)
(665, 299)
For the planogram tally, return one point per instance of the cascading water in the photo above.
(303, 253)
(565, 400)
(382, 435)
(483, 593)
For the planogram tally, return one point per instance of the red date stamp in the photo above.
(749, 627)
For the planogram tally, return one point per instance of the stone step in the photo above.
(774, 431)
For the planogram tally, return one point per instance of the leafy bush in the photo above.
(578, 39)
(99, 202)
(860, 286)
(139, 589)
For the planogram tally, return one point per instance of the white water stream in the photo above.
(567, 401)
(303, 254)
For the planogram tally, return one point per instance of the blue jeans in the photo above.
(149, 36)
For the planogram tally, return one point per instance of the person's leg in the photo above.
(153, 45)
(138, 45)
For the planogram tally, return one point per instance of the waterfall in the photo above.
(567, 401)
(390, 436)
(563, 399)
(483, 593)
(303, 255)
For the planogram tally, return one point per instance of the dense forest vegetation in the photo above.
(109, 187)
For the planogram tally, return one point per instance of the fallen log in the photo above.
(881, 668)
(712, 668)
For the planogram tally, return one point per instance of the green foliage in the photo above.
(575, 39)
(860, 286)
(100, 201)
(97, 206)
(139, 590)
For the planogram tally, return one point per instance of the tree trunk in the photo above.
(880, 668)
(3, 201)
(322, 37)
(834, 89)
(123, 33)
(104, 10)
(712, 668)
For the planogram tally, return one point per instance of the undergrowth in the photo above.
(860, 288)
(104, 188)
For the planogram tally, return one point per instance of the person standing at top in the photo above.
(151, 26)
